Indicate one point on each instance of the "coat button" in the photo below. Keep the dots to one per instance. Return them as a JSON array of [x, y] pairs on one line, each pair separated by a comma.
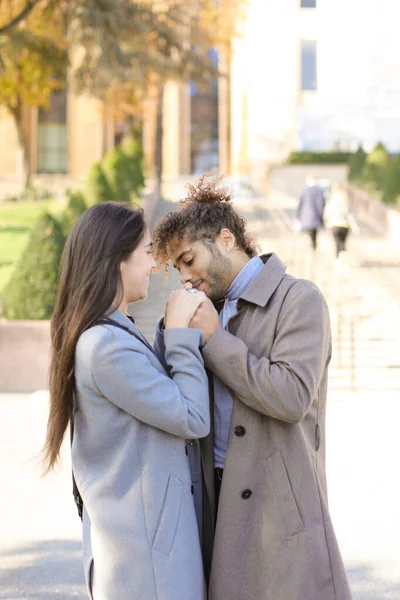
[[240, 431], [192, 489], [246, 494]]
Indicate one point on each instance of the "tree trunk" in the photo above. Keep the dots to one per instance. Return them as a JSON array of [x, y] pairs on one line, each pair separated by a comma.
[[17, 113], [158, 164]]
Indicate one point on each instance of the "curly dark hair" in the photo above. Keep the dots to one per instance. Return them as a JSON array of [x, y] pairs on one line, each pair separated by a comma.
[[206, 210]]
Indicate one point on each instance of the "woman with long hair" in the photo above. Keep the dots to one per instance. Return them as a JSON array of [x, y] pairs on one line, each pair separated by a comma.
[[339, 219], [131, 411]]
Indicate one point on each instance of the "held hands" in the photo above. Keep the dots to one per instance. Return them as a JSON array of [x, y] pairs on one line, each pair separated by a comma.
[[181, 307], [206, 319]]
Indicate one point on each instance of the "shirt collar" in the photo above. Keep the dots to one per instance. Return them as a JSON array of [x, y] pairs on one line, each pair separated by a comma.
[[244, 278]]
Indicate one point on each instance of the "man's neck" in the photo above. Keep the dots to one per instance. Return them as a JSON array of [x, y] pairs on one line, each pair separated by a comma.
[[238, 262]]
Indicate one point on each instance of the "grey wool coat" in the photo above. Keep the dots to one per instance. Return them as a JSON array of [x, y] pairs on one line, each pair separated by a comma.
[[140, 534], [274, 538]]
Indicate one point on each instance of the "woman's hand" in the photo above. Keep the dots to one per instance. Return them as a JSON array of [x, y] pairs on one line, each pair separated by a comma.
[[181, 307]]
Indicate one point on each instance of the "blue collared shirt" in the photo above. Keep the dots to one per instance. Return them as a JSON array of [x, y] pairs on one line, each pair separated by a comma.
[[222, 396]]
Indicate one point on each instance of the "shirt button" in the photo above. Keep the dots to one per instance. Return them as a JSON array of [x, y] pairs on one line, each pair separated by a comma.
[[246, 494], [240, 431]]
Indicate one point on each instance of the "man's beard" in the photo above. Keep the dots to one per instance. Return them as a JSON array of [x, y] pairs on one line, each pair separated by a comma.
[[218, 273]]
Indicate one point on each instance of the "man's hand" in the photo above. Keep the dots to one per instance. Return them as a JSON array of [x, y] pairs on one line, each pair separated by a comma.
[[206, 319], [181, 307]]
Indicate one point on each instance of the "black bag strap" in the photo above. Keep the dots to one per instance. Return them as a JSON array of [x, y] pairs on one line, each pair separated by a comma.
[[141, 338], [77, 497], [75, 492]]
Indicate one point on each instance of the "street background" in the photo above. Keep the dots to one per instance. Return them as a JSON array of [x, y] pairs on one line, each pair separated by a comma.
[[40, 551]]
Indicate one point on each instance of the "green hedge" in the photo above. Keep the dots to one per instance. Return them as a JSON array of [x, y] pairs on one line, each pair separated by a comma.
[[119, 177], [391, 187], [97, 188], [315, 158], [376, 167], [356, 164], [123, 168], [32, 289], [75, 208]]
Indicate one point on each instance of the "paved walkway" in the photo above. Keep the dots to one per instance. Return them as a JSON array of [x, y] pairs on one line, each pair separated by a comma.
[[40, 530], [363, 444]]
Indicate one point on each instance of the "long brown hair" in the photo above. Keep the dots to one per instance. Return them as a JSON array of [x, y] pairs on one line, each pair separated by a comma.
[[90, 281]]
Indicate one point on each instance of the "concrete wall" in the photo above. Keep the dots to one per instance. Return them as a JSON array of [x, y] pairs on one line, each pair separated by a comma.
[[291, 178], [24, 355], [382, 219]]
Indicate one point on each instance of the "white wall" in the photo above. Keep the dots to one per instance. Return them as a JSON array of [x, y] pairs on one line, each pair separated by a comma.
[[358, 92], [358, 82]]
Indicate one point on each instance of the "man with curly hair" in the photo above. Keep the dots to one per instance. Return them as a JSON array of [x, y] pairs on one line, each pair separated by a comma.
[[266, 529]]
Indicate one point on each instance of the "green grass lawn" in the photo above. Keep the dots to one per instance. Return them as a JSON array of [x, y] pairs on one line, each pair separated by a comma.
[[16, 221]]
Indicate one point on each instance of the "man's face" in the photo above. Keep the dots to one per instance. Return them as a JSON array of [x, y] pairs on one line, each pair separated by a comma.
[[204, 265]]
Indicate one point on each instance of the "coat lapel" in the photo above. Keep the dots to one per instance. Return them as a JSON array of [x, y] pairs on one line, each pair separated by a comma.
[[265, 284]]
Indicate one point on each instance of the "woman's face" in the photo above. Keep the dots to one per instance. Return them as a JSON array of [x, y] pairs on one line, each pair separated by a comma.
[[135, 271]]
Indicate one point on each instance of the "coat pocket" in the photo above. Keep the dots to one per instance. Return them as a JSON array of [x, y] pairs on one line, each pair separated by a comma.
[[287, 516], [169, 516], [88, 562], [88, 568]]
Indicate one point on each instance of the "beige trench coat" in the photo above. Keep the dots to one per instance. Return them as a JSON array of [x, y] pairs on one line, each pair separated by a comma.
[[274, 538]]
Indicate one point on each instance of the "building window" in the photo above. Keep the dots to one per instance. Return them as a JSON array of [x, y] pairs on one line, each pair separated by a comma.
[[308, 3], [308, 65], [52, 136], [204, 140]]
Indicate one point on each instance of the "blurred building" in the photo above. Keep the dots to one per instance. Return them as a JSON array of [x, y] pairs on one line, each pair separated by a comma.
[[314, 75], [303, 75]]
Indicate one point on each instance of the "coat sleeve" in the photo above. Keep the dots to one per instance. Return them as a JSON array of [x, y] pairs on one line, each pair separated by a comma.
[[126, 376], [284, 384]]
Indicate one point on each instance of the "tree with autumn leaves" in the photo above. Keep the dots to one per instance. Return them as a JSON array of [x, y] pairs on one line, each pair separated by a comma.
[[119, 51], [33, 61]]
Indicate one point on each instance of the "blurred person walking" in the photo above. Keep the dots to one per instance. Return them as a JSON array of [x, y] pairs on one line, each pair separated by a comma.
[[130, 409], [310, 210], [339, 219]]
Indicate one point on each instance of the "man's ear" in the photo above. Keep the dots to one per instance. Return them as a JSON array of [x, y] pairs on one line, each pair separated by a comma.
[[227, 239]]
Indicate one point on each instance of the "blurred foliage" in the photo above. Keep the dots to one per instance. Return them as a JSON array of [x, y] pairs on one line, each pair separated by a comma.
[[32, 289], [33, 61], [75, 208], [316, 158], [16, 222], [356, 164], [97, 188], [391, 187], [123, 168], [376, 167], [119, 51]]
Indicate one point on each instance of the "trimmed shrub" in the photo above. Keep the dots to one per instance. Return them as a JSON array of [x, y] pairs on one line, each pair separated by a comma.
[[391, 187], [75, 208], [356, 164], [97, 188], [376, 167], [123, 169], [315, 158], [133, 149], [32, 289]]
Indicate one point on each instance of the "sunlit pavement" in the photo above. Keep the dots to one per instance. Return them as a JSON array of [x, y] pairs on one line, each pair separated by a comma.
[[40, 555], [363, 441]]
